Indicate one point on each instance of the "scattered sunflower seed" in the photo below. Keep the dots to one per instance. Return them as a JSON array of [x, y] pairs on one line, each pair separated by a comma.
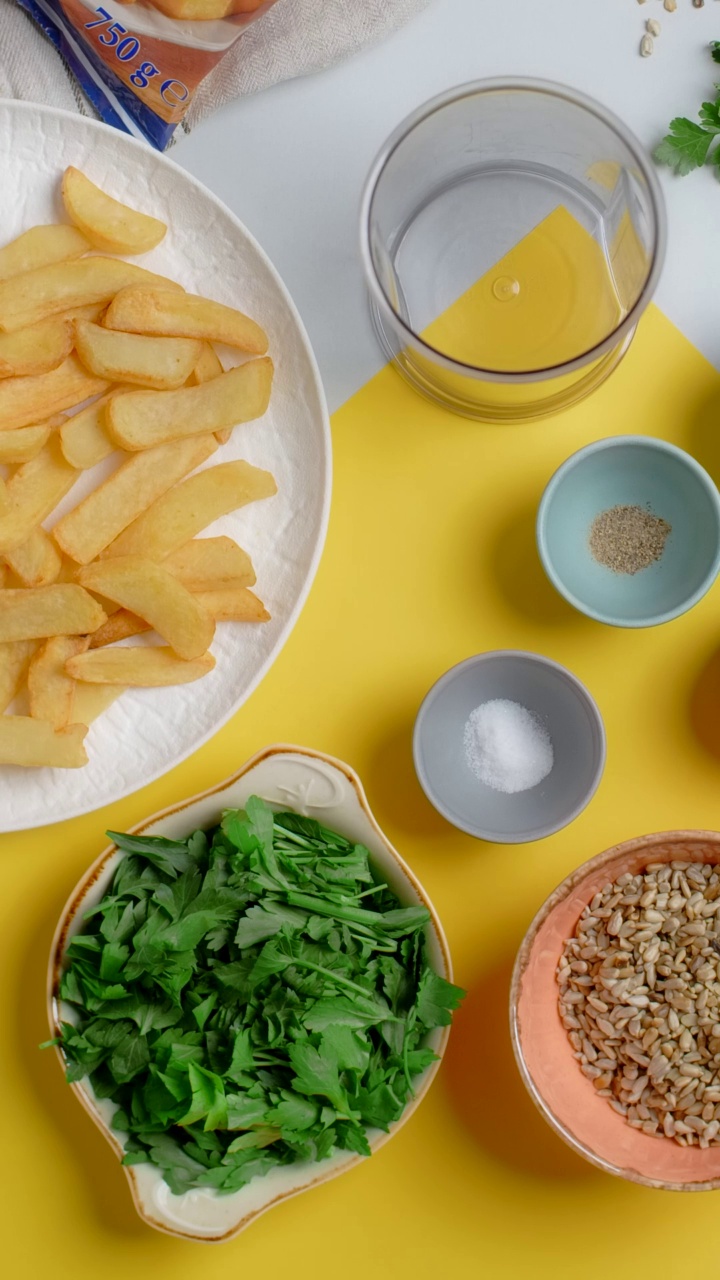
[[646, 46], [653, 27]]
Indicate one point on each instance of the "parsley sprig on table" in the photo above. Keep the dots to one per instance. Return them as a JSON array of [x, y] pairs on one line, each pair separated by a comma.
[[249, 997], [689, 145]]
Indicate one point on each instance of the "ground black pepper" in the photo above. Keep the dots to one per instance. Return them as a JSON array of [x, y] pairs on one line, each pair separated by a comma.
[[628, 539]]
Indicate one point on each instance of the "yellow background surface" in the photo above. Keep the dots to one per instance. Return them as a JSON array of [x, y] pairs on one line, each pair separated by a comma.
[[430, 558]]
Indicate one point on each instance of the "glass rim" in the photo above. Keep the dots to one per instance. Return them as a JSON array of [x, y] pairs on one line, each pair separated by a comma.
[[530, 85]]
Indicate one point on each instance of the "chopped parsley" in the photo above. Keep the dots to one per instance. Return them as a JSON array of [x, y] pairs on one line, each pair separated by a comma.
[[252, 996]]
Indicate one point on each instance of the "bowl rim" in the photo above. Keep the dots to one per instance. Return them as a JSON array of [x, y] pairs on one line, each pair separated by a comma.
[[652, 444], [539, 833], [571, 882], [74, 904]]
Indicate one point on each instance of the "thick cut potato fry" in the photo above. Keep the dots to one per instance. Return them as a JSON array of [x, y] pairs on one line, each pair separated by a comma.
[[37, 561], [92, 699], [233, 604], [207, 367], [227, 604], [93, 311], [184, 511], [64, 609], [83, 438], [24, 443], [207, 564], [147, 310], [51, 689], [60, 609], [107, 223], [49, 291], [84, 532], [156, 596], [144, 418], [136, 666], [38, 349], [32, 493], [14, 659], [39, 247], [26, 401], [35, 744], [120, 626], [161, 363]]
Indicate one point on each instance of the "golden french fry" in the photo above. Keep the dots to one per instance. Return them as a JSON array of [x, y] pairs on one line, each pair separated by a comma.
[[26, 401], [92, 699], [148, 590], [207, 564], [63, 609], [227, 604], [184, 511], [93, 311], [32, 493], [107, 223], [39, 247], [233, 604], [36, 562], [134, 666], [120, 626], [24, 443], [34, 743], [14, 659], [84, 532], [4, 574], [151, 310], [130, 357], [51, 689], [83, 438], [38, 349], [207, 367], [144, 418], [63, 286]]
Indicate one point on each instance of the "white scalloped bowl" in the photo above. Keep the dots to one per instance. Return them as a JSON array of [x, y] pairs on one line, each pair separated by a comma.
[[312, 784]]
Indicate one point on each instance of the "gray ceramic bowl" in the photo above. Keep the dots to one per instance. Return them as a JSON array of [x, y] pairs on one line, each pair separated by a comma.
[[560, 702]]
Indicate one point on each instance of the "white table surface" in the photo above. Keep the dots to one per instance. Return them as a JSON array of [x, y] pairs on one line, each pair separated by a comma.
[[291, 161]]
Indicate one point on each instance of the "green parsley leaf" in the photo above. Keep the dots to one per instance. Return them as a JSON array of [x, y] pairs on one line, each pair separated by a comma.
[[250, 997], [685, 147]]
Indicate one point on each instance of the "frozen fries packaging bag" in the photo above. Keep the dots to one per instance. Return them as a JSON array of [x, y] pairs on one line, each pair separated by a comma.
[[140, 61]]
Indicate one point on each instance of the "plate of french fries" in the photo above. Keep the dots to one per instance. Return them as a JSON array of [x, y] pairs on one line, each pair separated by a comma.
[[164, 465]]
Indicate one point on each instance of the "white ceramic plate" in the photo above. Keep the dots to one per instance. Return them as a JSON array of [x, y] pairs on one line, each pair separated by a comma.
[[148, 731], [317, 786]]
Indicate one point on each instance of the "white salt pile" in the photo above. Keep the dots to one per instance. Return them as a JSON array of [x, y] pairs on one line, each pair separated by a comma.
[[507, 747]]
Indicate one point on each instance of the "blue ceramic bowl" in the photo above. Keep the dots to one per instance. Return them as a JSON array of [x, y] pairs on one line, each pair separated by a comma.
[[631, 471]]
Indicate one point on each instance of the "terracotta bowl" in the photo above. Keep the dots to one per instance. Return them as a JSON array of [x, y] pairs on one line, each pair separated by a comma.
[[544, 1054], [314, 785]]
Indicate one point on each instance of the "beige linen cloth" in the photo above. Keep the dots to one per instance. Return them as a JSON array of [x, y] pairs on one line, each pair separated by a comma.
[[294, 38]]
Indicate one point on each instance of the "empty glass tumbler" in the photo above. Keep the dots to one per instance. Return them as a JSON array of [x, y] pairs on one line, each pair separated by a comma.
[[513, 232]]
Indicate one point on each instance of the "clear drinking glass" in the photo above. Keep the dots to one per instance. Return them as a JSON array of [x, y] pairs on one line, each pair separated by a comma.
[[513, 232]]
